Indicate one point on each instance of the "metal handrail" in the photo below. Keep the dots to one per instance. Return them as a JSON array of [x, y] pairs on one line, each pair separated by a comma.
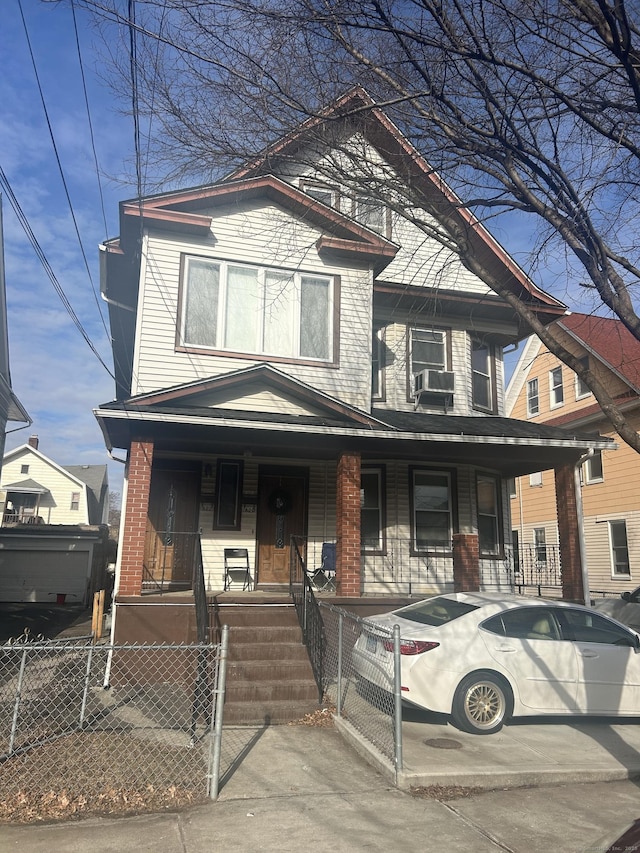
[[308, 612]]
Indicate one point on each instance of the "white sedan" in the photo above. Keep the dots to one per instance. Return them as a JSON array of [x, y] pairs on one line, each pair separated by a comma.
[[484, 657]]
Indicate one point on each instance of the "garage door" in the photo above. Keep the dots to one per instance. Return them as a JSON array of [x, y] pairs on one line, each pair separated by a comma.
[[42, 576]]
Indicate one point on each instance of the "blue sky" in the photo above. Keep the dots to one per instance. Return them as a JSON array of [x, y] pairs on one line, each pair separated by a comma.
[[54, 373]]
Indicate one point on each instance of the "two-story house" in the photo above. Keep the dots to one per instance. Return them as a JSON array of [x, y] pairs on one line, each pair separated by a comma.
[[295, 359], [543, 390], [53, 538]]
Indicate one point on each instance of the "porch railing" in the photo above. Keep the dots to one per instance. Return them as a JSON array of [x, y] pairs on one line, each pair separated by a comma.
[[399, 569], [307, 610]]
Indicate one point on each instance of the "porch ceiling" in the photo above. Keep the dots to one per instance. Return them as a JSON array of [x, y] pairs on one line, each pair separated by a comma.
[[510, 447]]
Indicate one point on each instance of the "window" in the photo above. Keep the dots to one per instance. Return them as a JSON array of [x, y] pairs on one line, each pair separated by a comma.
[[24, 469], [256, 310], [489, 536], [584, 626], [512, 487], [515, 547], [432, 509], [371, 213], [525, 623], [593, 472], [483, 376], [619, 548], [582, 389], [228, 494], [321, 192], [556, 391], [540, 544], [75, 500], [427, 350], [535, 479], [371, 509], [533, 398], [377, 365]]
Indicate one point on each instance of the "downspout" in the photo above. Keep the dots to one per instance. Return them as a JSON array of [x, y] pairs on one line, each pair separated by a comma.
[[579, 513]]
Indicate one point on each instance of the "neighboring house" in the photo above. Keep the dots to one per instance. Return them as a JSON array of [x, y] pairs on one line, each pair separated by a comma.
[[39, 491], [54, 539], [543, 390], [295, 360], [10, 407]]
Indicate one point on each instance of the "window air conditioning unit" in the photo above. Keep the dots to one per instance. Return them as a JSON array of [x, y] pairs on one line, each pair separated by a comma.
[[434, 382]]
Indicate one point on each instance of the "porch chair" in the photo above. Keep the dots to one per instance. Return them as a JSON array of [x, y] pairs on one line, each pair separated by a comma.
[[236, 568], [323, 578]]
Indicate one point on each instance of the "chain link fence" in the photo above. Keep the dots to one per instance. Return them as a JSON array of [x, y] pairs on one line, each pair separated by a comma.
[[363, 685], [92, 727]]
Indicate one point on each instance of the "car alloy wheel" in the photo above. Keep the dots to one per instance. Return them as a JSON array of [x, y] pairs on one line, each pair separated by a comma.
[[481, 704]]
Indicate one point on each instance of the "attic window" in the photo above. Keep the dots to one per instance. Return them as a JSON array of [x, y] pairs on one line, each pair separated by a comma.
[[371, 213], [321, 192], [257, 310], [24, 469]]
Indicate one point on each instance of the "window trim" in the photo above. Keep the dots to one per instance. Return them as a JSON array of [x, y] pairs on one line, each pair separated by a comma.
[[75, 501], [333, 314], [235, 497], [587, 468], [581, 394], [491, 376], [378, 342], [361, 199], [381, 472], [531, 412], [612, 548], [497, 483], [451, 474], [555, 387], [540, 545], [535, 480]]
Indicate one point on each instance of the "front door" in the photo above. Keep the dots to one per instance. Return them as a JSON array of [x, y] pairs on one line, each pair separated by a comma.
[[282, 513], [171, 527]]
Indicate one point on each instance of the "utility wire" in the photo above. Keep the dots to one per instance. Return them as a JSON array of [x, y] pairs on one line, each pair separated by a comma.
[[60, 169], [6, 186]]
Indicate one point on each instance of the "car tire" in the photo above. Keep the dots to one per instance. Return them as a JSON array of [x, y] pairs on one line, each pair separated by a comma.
[[483, 702]]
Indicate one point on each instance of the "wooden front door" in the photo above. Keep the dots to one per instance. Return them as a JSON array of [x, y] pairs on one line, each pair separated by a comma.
[[282, 513], [172, 523]]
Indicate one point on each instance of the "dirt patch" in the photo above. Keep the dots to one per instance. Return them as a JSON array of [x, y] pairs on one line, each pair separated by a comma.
[[321, 718], [41, 785]]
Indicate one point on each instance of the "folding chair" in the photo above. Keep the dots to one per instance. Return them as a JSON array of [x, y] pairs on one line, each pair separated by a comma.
[[236, 568], [323, 578]]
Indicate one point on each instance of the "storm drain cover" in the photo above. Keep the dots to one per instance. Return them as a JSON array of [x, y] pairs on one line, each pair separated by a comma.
[[443, 743]]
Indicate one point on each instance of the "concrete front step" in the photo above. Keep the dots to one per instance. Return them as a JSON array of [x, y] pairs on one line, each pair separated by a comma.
[[267, 670], [261, 634], [267, 713], [264, 691]]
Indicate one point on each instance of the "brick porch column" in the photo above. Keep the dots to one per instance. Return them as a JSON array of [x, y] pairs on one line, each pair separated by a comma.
[[466, 562], [569, 533], [135, 517], [348, 572]]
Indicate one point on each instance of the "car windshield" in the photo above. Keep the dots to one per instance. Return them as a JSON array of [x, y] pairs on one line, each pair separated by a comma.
[[436, 611]]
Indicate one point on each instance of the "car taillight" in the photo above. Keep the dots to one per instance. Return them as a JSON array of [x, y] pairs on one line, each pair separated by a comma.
[[411, 647]]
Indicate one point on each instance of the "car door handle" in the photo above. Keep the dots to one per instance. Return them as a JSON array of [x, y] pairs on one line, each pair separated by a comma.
[[505, 649], [588, 654]]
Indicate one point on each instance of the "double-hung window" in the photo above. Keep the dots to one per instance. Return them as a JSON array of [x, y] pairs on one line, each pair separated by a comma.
[[593, 470], [533, 398], [371, 213], [489, 526], [619, 548], [432, 510], [582, 389], [556, 390], [427, 351], [372, 509], [377, 365], [257, 310], [483, 376]]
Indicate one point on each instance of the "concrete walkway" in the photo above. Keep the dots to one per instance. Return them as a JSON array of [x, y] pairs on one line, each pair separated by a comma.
[[293, 788]]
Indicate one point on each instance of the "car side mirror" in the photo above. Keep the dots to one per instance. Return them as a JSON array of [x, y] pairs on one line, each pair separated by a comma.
[[625, 596]]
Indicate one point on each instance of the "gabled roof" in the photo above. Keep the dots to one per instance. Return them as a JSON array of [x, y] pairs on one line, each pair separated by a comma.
[[29, 449], [609, 341], [358, 106], [28, 487]]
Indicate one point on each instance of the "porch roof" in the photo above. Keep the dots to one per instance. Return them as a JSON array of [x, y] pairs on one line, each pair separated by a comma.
[[508, 446], [27, 487]]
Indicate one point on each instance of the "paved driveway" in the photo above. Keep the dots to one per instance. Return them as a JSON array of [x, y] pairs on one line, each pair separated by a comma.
[[48, 620]]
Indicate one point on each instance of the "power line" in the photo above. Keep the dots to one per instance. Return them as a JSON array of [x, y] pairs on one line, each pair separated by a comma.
[[24, 222]]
